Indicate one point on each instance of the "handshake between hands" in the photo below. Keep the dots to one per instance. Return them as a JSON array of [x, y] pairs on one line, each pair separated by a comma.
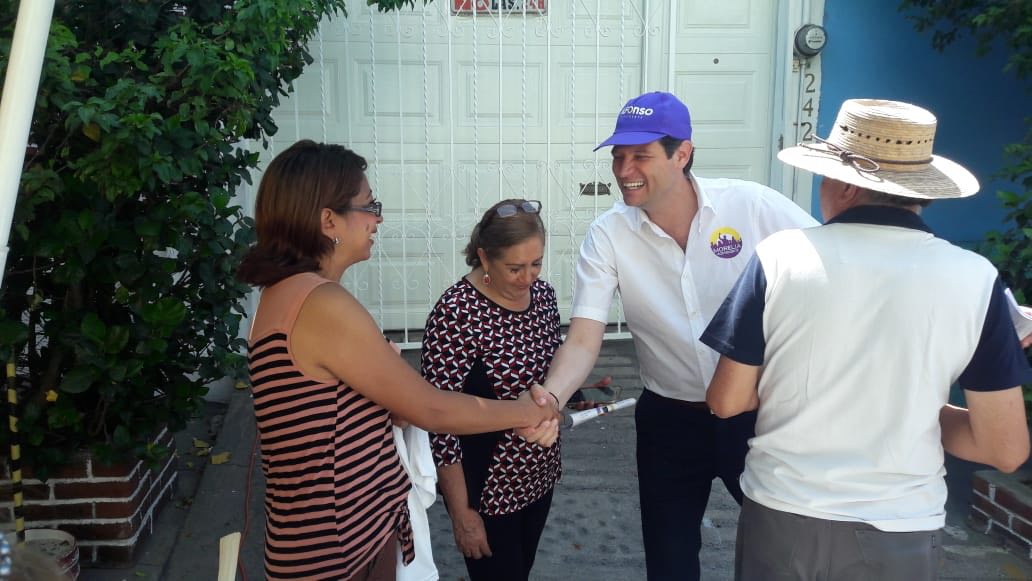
[[547, 432]]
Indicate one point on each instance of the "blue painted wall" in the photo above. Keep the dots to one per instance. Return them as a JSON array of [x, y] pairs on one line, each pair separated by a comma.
[[874, 52]]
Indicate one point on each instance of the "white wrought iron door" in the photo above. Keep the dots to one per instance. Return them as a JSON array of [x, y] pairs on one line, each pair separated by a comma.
[[455, 111]]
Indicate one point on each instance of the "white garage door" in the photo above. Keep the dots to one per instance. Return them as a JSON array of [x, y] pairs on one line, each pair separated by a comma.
[[456, 111]]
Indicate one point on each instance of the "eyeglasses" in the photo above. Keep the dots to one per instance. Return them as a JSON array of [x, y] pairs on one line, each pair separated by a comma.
[[509, 210], [375, 208]]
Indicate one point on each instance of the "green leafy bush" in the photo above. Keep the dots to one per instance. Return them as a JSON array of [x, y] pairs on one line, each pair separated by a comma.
[[1011, 249], [119, 302]]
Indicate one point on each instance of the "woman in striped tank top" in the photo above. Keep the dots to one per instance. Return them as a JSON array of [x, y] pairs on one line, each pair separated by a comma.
[[326, 384]]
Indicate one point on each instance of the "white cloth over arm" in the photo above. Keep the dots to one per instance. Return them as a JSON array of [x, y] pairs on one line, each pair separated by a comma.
[[414, 449]]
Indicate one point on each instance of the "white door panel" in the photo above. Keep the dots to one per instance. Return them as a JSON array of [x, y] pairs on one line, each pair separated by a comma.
[[728, 101], [745, 163], [728, 26]]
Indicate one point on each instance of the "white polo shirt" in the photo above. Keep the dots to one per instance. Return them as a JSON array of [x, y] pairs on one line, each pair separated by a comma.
[[670, 295], [861, 326]]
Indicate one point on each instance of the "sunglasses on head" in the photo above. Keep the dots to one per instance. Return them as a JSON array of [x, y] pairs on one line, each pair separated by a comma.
[[510, 210]]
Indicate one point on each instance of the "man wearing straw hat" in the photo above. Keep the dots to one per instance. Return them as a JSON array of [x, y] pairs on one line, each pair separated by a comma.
[[672, 248], [847, 338]]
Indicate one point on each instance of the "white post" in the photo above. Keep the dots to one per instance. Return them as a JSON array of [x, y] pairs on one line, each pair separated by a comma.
[[19, 99]]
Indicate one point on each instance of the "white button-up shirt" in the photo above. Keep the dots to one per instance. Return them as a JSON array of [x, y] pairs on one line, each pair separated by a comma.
[[669, 295]]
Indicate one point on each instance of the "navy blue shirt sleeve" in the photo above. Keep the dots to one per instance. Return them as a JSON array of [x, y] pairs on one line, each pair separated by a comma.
[[998, 362], [737, 329]]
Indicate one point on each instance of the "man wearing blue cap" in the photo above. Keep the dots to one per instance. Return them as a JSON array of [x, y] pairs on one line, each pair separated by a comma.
[[673, 248]]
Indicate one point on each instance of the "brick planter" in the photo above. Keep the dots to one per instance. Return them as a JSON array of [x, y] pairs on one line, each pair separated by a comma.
[[109, 509], [1001, 506]]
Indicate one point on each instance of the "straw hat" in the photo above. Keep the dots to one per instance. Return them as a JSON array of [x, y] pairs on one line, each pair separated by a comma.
[[884, 146]]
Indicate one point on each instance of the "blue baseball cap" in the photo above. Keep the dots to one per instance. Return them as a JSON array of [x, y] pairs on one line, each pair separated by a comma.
[[649, 117]]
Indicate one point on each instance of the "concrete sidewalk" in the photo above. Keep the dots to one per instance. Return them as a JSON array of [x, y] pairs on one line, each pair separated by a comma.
[[593, 530]]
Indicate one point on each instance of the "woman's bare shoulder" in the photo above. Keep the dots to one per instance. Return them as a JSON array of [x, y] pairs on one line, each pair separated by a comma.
[[332, 304]]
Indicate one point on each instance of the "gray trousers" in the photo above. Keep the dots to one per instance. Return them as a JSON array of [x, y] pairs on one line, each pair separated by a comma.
[[775, 546]]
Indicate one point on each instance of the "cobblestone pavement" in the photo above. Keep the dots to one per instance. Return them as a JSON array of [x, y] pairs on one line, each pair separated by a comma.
[[593, 531]]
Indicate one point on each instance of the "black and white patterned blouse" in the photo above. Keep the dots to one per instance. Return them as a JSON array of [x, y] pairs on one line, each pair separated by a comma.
[[475, 346]]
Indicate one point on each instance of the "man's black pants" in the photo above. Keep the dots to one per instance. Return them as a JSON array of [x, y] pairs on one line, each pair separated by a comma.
[[682, 447]]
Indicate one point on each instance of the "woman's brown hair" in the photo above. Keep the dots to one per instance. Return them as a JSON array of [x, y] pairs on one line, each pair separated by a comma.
[[495, 233], [296, 186]]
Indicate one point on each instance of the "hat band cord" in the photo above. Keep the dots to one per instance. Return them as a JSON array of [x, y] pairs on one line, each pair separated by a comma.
[[861, 163]]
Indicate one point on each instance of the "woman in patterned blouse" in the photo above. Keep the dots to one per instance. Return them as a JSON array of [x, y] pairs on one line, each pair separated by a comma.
[[493, 334], [325, 381]]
